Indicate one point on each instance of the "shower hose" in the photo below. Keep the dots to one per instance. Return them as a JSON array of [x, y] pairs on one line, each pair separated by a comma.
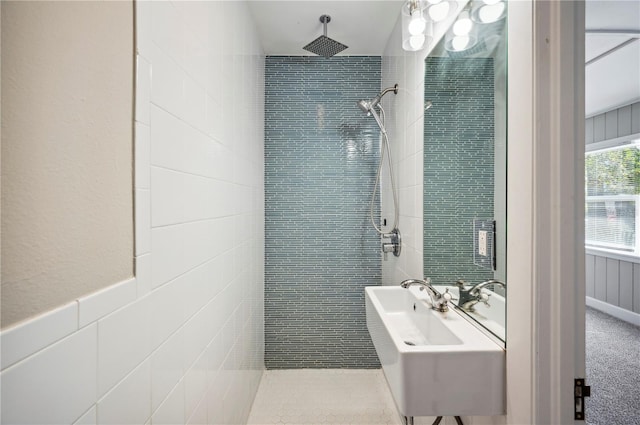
[[385, 152]]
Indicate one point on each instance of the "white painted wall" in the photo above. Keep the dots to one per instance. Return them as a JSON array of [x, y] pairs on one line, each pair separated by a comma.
[[183, 341]]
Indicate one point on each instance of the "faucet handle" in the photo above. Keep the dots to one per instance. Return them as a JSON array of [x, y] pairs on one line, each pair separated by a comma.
[[447, 295], [484, 298], [427, 280]]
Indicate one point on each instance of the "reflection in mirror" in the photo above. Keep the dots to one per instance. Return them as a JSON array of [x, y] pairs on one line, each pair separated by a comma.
[[465, 164]]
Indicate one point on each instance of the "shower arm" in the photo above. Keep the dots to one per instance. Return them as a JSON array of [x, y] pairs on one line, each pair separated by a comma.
[[394, 89], [376, 100]]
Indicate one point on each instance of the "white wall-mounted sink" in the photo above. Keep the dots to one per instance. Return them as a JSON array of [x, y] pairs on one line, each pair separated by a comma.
[[436, 364]]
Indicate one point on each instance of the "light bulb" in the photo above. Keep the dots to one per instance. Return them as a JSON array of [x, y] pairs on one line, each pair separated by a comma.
[[439, 11], [417, 24], [463, 26], [460, 42], [417, 41], [491, 12]]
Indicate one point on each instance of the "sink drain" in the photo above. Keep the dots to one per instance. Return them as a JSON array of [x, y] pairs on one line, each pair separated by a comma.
[[410, 343]]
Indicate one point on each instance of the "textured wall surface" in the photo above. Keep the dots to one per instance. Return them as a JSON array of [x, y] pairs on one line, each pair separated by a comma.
[[458, 166], [67, 119], [321, 154]]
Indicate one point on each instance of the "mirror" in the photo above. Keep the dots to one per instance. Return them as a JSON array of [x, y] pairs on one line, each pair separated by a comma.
[[464, 172]]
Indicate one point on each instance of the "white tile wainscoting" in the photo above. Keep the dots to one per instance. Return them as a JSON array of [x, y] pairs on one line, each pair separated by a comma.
[[95, 361]]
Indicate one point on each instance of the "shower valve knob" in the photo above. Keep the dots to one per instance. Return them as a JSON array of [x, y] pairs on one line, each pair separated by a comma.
[[394, 245]]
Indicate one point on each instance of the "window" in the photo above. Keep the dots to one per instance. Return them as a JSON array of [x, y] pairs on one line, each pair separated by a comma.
[[612, 210]]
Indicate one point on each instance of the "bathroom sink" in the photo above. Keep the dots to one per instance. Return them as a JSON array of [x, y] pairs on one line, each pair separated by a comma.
[[436, 364]]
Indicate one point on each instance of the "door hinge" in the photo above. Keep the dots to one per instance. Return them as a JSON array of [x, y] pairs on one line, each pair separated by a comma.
[[580, 391]]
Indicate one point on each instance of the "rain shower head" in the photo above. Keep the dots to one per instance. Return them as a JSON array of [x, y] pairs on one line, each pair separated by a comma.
[[323, 45], [368, 105]]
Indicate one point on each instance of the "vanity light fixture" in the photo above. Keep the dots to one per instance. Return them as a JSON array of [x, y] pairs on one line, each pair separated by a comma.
[[439, 10], [463, 24], [462, 35], [416, 28], [460, 43], [488, 11]]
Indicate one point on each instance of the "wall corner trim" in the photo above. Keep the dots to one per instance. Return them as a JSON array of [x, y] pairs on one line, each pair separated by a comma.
[[28, 337]]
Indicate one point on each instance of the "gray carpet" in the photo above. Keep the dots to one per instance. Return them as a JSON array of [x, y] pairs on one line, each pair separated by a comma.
[[613, 370]]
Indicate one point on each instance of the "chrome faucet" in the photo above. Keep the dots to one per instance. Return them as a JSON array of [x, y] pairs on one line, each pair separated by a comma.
[[438, 300], [473, 295]]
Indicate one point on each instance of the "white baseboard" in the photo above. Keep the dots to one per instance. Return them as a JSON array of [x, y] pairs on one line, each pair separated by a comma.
[[615, 311]]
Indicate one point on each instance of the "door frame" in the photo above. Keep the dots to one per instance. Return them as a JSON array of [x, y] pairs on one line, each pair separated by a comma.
[[545, 210]]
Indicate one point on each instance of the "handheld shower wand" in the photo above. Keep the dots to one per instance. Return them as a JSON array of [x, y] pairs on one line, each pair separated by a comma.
[[369, 107]]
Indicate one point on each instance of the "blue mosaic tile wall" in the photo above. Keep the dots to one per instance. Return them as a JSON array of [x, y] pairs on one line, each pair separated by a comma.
[[458, 165], [321, 154]]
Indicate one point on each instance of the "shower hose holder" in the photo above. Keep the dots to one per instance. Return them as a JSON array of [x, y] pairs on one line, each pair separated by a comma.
[[394, 243]]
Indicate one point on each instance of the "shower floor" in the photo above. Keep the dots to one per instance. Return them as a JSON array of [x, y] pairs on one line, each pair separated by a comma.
[[324, 397]]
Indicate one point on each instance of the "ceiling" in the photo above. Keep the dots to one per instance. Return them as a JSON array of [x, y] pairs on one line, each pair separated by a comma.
[[612, 45], [612, 54], [363, 25]]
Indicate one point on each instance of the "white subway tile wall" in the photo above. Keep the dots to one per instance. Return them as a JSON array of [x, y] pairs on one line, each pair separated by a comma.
[[171, 411], [89, 418], [60, 380], [129, 402], [123, 342], [404, 125], [183, 342], [21, 341], [99, 304]]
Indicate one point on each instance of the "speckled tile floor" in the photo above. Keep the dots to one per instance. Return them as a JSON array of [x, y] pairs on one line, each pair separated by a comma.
[[323, 397]]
